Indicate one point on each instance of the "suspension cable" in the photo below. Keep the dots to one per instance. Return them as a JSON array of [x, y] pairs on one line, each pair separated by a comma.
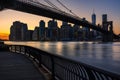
[[66, 8], [52, 5], [55, 7], [48, 2]]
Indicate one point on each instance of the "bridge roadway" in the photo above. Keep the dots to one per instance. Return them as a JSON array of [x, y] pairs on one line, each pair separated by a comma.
[[17, 67]]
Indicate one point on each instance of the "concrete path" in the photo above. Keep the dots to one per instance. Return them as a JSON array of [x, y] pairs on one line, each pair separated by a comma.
[[15, 66]]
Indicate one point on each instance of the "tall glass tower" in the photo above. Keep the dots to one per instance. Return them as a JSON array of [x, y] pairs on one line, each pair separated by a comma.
[[94, 23], [94, 18], [42, 30]]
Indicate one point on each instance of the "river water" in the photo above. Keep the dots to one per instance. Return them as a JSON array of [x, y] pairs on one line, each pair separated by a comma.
[[101, 55]]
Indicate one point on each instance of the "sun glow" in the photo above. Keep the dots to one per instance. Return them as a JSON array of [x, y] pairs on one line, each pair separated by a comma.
[[4, 36]]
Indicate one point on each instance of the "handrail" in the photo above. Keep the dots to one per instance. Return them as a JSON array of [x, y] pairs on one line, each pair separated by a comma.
[[3, 47], [62, 68]]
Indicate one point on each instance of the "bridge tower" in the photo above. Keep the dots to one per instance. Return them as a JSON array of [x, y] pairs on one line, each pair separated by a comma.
[[108, 26]]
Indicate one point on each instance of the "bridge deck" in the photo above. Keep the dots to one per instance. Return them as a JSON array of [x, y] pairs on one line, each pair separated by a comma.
[[17, 67]]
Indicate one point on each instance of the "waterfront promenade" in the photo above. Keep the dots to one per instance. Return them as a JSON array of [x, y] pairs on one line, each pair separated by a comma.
[[58, 67], [15, 66]]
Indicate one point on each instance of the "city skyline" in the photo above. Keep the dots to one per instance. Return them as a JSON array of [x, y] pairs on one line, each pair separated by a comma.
[[19, 32], [83, 8]]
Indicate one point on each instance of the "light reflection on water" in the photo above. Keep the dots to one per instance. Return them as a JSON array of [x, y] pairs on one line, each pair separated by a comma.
[[78, 49], [103, 55]]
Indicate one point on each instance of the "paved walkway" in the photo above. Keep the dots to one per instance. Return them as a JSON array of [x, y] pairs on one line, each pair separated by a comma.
[[17, 67]]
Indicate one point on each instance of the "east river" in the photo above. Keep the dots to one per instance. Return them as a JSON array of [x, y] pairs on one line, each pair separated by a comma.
[[101, 55]]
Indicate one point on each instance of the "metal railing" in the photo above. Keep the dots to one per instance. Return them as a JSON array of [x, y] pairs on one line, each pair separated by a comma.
[[62, 68], [3, 47]]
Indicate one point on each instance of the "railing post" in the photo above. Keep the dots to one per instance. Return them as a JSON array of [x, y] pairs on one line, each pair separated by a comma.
[[90, 74], [39, 57], [28, 51], [53, 68], [29, 54], [34, 57], [11, 48], [15, 48], [20, 49], [25, 50]]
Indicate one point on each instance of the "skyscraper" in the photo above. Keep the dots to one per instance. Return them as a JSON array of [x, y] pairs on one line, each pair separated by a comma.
[[94, 18], [104, 18], [76, 29], [12, 33], [18, 31], [94, 23], [24, 30], [104, 22], [35, 35], [52, 30], [42, 30], [86, 31], [66, 32], [29, 34]]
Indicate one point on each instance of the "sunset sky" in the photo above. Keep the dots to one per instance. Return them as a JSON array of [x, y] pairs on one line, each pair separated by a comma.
[[83, 8]]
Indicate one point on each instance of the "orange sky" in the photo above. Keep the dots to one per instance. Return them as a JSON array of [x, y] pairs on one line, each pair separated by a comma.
[[31, 20], [80, 7], [4, 36]]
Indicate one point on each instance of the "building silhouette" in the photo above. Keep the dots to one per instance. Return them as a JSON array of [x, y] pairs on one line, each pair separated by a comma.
[[94, 18], [104, 18], [108, 26], [52, 33], [94, 23], [42, 33], [18, 31], [29, 34], [77, 33], [24, 32], [86, 32], [35, 35], [66, 32]]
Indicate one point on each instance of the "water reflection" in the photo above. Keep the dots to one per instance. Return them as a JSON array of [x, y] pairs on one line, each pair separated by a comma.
[[78, 49]]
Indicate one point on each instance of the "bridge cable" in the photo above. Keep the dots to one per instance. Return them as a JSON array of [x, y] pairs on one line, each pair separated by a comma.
[[55, 7], [67, 8], [48, 2], [52, 5]]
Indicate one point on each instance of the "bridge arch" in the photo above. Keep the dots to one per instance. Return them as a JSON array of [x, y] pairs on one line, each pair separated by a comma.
[[108, 37]]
